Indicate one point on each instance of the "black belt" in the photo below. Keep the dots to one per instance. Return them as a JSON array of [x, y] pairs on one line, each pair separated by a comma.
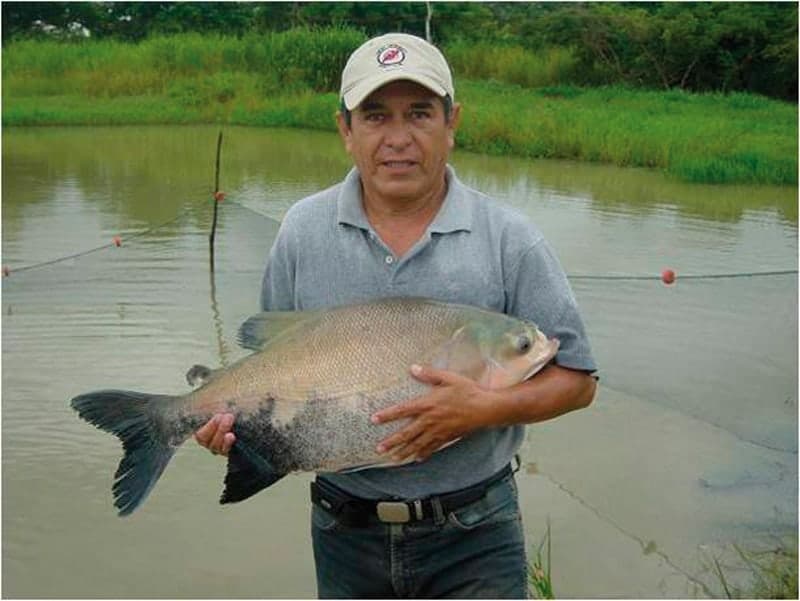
[[355, 511]]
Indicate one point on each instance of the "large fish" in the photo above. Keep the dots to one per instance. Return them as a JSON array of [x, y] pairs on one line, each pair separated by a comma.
[[303, 402]]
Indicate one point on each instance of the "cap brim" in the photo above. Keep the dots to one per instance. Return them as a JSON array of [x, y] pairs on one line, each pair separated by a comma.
[[352, 98]]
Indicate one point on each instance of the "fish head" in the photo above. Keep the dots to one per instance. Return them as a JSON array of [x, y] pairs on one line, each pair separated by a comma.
[[498, 352]]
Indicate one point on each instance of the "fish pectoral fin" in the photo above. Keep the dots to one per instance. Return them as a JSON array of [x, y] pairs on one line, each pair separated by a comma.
[[261, 328], [248, 473]]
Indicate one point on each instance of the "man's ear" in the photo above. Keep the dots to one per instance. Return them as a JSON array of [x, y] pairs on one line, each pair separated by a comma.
[[452, 125], [344, 130]]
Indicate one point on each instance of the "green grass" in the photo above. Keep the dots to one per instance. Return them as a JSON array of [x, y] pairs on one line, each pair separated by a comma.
[[757, 574], [766, 573], [540, 582], [512, 64], [514, 102], [710, 138]]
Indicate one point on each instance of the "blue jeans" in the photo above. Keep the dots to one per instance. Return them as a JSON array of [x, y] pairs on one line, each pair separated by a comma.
[[475, 552]]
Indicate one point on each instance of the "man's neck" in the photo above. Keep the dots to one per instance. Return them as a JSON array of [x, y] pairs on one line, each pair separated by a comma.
[[401, 222]]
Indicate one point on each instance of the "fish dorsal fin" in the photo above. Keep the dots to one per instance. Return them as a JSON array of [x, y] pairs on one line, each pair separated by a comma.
[[258, 330]]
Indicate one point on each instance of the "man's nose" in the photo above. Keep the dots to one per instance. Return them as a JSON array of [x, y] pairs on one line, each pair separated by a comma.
[[398, 134]]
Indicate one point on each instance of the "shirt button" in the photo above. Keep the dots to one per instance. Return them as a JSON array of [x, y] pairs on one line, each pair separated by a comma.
[[389, 259]]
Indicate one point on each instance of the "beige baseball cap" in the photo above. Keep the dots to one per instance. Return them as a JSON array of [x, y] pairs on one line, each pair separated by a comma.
[[391, 57]]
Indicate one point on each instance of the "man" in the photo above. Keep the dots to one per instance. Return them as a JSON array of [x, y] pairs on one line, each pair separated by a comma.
[[402, 224]]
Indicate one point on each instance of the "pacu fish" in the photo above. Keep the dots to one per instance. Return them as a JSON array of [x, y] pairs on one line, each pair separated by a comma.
[[303, 402]]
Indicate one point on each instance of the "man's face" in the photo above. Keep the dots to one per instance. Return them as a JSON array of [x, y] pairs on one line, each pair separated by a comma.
[[400, 140]]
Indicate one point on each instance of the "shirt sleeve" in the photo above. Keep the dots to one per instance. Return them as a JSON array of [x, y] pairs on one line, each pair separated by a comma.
[[537, 289], [277, 286]]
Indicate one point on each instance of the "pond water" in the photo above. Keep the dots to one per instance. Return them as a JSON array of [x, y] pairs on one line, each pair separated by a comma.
[[690, 446]]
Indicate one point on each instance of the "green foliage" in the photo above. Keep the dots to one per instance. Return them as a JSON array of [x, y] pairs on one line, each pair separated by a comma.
[[702, 138], [756, 573], [290, 78], [291, 60], [128, 20], [698, 46], [540, 582], [311, 56], [512, 63]]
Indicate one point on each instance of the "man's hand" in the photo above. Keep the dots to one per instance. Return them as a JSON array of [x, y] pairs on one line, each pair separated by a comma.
[[454, 407], [457, 406], [216, 435]]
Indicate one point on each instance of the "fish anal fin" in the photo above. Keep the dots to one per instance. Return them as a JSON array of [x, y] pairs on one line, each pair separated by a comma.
[[248, 473]]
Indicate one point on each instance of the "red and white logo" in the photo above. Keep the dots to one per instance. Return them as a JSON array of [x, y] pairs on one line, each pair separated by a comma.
[[391, 55]]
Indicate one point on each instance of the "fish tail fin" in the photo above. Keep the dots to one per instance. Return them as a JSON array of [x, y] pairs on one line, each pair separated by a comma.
[[137, 420]]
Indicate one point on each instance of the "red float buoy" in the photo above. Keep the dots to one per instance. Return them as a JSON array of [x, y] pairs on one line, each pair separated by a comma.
[[117, 241], [668, 276], [219, 196]]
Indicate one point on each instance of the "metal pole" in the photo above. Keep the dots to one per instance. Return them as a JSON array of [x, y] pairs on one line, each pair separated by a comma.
[[428, 23]]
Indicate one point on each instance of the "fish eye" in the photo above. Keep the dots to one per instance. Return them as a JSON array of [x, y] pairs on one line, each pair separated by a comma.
[[523, 343]]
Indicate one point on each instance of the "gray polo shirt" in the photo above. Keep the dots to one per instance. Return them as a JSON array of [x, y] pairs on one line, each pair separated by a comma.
[[476, 252]]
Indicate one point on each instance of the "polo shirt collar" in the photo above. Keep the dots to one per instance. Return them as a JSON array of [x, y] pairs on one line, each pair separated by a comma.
[[454, 214], [350, 209]]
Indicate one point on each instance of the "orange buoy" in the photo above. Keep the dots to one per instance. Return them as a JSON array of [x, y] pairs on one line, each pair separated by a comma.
[[117, 241], [668, 276], [219, 196]]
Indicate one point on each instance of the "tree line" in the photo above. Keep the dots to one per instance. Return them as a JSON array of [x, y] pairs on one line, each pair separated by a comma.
[[695, 46]]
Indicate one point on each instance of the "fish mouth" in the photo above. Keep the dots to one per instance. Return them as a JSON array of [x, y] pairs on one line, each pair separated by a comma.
[[549, 351], [535, 367]]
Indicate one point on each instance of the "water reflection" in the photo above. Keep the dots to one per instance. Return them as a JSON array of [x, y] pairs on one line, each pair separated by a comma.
[[145, 174], [156, 160], [625, 190]]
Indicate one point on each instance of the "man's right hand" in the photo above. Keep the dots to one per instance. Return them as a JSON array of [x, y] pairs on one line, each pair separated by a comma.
[[216, 435]]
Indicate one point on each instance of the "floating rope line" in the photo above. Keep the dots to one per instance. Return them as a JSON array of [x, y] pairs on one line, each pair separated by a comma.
[[116, 241], [663, 276], [667, 276]]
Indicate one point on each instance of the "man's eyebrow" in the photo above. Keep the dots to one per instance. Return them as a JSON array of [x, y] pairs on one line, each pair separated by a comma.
[[377, 106], [371, 106]]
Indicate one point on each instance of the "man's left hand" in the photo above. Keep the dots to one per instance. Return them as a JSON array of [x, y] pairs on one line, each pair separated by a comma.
[[454, 407]]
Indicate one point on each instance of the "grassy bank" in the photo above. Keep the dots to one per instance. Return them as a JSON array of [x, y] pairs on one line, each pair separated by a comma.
[[289, 79]]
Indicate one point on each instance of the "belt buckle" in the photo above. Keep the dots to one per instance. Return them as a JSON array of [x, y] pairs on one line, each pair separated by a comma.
[[393, 512]]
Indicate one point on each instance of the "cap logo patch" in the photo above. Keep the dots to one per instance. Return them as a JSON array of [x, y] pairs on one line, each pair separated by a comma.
[[391, 55]]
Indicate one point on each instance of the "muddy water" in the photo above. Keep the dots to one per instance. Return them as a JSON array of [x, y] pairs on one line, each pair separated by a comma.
[[691, 445]]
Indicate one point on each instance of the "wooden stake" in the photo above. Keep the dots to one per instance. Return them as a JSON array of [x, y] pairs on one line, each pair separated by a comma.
[[213, 233]]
